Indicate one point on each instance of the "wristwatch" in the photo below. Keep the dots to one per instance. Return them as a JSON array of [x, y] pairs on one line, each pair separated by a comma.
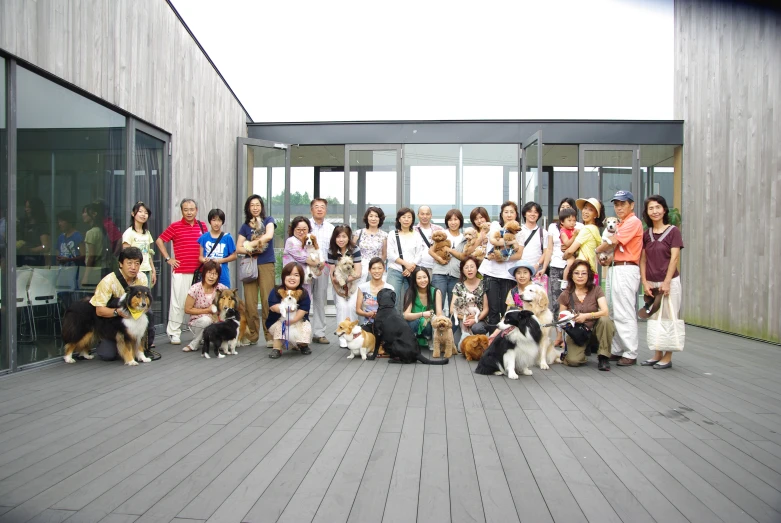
[[166, 260], [116, 313]]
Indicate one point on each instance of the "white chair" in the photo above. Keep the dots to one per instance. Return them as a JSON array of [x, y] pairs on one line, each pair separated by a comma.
[[43, 292], [23, 277]]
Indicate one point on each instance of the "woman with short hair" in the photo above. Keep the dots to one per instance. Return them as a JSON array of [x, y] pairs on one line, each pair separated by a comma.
[[295, 251], [198, 303], [662, 244], [405, 250], [588, 303], [279, 327], [589, 238], [469, 283], [372, 240], [447, 272]]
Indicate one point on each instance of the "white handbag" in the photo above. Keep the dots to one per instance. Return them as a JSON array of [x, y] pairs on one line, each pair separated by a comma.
[[666, 334]]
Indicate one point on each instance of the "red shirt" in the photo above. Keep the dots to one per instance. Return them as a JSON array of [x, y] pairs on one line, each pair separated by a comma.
[[185, 243], [629, 235]]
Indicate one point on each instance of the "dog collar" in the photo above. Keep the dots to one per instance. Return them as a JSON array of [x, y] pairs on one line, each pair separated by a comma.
[[136, 313]]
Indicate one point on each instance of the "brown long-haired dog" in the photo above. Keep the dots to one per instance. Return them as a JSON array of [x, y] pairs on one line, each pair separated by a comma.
[[443, 336], [229, 299], [473, 347]]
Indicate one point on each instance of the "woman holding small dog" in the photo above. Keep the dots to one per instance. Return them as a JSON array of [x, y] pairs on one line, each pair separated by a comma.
[[292, 280], [587, 302], [198, 303], [446, 272], [371, 240], [294, 246], [469, 283], [421, 303], [662, 244], [405, 250], [255, 213], [341, 246]]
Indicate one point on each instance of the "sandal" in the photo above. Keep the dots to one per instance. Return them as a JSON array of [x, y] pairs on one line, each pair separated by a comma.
[[188, 348], [276, 353]]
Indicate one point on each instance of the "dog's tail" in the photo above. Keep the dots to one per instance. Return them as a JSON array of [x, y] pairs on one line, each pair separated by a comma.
[[435, 361], [78, 320], [484, 369]]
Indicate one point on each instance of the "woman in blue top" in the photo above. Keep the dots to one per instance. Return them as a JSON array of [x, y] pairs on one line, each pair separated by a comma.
[[225, 249], [255, 213], [342, 245], [300, 336]]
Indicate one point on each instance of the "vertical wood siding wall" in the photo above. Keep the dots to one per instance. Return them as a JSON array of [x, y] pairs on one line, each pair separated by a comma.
[[137, 55], [728, 91]]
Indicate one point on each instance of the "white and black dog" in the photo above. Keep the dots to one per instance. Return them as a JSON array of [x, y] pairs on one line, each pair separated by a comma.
[[223, 334], [517, 346]]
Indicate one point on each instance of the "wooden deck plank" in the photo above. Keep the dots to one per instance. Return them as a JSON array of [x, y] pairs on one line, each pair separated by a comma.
[[403, 492]]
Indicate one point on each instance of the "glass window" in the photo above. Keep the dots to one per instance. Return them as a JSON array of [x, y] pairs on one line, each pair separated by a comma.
[[658, 161], [373, 184], [313, 164], [490, 177], [431, 170], [71, 203], [611, 169], [563, 161]]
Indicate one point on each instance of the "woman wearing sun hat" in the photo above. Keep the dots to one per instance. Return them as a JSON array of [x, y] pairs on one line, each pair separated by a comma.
[[522, 271], [588, 238]]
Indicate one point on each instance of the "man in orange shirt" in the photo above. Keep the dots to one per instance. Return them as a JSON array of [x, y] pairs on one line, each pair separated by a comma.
[[624, 278]]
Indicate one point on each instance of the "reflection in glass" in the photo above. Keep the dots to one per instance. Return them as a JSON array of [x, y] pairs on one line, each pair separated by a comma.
[[614, 172], [71, 203]]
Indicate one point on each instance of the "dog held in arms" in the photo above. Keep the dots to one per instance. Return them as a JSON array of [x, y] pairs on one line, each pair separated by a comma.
[[611, 226], [516, 347], [312, 249], [345, 267], [287, 309], [223, 334], [535, 299], [82, 327], [395, 334]]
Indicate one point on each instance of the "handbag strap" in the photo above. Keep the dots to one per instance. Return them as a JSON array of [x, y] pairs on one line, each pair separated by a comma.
[[216, 243], [398, 243], [425, 240], [532, 236], [360, 233]]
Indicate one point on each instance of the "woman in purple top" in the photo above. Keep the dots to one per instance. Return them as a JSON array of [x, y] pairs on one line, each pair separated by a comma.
[[662, 244], [294, 246]]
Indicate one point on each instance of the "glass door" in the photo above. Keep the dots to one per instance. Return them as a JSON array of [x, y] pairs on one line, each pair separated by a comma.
[[534, 182], [606, 169], [374, 182]]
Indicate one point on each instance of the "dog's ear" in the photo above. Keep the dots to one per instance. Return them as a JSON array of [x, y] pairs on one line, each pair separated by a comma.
[[282, 293], [296, 294]]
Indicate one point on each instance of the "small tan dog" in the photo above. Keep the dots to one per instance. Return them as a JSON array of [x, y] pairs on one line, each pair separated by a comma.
[[611, 226], [504, 241], [254, 245], [482, 238], [473, 347], [535, 299], [443, 336], [440, 245], [345, 267], [358, 340]]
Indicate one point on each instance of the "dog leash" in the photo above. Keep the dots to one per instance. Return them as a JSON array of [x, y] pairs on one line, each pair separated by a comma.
[[285, 329]]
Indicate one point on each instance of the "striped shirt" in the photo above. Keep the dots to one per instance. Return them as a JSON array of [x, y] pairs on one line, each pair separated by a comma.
[[185, 243]]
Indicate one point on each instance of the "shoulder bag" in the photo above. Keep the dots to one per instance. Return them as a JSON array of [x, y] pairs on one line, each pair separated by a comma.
[[666, 334], [197, 276], [579, 333]]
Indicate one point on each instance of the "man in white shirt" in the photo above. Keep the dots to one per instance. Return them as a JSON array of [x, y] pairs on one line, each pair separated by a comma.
[[425, 229], [323, 232]]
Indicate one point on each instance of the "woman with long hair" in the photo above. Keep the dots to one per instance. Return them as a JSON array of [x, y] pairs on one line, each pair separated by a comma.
[[342, 245], [421, 303], [198, 303], [262, 226]]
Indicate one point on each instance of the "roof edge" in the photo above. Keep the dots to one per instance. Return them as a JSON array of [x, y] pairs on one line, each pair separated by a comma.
[[382, 122]]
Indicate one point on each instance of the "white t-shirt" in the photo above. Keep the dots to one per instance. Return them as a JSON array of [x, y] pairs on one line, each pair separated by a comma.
[[535, 247], [412, 248], [557, 259], [454, 262], [144, 242], [495, 268], [427, 261]]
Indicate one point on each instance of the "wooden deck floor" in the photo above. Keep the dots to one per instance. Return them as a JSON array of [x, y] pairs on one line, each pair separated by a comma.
[[322, 438]]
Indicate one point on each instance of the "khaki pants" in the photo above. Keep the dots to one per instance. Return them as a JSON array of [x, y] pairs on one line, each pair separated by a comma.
[[603, 332], [263, 284]]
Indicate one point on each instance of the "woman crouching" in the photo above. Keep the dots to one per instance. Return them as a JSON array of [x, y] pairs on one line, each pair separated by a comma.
[[588, 303], [297, 329]]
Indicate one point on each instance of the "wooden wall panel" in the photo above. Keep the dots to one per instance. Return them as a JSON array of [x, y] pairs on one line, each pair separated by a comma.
[[728, 92], [137, 55]]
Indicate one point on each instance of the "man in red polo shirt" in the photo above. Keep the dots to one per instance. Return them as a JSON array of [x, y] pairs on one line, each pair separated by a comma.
[[624, 278], [184, 234]]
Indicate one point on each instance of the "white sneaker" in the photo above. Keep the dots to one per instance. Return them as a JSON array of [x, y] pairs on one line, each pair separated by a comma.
[[175, 340], [244, 342]]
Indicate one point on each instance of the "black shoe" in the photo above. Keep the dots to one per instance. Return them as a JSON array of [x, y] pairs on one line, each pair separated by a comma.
[[274, 354], [604, 363], [668, 365], [649, 363], [305, 349]]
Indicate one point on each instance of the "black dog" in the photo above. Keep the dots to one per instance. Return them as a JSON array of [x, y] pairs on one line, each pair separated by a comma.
[[517, 346], [393, 331], [223, 334]]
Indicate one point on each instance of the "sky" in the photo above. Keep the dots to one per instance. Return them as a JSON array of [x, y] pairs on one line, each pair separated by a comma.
[[347, 60]]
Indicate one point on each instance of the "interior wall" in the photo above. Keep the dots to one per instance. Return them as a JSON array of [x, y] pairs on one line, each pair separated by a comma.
[[138, 56], [728, 91]]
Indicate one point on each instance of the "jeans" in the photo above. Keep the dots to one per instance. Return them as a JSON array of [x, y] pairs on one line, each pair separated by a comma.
[[445, 284], [478, 328], [427, 331], [400, 285]]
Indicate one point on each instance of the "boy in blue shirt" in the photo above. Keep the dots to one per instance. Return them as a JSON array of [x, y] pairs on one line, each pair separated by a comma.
[[225, 249]]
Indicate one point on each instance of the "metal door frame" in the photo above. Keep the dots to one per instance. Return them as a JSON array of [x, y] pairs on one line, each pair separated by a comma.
[[535, 138], [399, 175], [582, 148]]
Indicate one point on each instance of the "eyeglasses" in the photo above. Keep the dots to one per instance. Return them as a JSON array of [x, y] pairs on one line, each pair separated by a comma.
[[299, 229]]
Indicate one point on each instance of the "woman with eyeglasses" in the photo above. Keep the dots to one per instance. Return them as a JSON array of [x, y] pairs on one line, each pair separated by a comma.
[[294, 247]]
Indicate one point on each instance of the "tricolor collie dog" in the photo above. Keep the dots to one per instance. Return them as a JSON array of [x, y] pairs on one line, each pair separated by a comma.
[[516, 347], [229, 299], [312, 253], [224, 335], [359, 341], [82, 327]]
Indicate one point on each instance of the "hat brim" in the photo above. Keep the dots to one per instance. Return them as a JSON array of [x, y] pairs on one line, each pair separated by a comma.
[[652, 304], [581, 202], [512, 270]]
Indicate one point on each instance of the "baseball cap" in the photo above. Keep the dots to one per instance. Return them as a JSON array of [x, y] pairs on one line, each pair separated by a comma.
[[623, 196]]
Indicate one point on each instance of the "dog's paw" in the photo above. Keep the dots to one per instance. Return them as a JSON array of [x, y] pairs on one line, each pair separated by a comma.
[[69, 359], [351, 356], [499, 373], [513, 376], [145, 359], [131, 363], [206, 356], [88, 356], [220, 355], [363, 357], [527, 372], [544, 365], [214, 309]]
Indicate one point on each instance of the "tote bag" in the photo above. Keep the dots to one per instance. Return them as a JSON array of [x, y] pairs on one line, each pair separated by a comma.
[[248, 269], [666, 334]]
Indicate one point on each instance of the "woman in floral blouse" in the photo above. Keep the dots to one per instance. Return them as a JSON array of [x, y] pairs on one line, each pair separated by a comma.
[[372, 241], [294, 246], [470, 284]]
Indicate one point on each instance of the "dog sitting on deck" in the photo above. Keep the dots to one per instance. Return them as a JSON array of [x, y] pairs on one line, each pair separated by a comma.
[[224, 335], [358, 340], [517, 346]]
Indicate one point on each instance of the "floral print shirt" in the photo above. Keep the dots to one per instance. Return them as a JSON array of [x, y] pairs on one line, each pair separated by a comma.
[[370, 243], [460, 291], [202, 300]]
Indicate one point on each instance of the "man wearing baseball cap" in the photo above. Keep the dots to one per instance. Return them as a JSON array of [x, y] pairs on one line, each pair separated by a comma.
[[624, 278]]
